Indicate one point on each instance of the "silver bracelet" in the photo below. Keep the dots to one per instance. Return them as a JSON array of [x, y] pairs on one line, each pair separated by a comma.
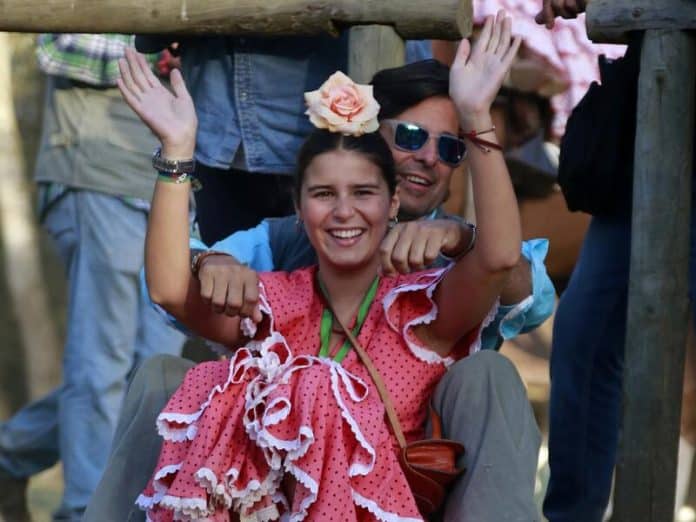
[[161, 164], [468, 248]]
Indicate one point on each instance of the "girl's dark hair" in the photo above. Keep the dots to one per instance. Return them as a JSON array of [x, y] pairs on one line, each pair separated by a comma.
[[371, 145], [401, 88]]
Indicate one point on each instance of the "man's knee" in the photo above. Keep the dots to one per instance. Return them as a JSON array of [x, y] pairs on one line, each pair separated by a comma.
[[477, 387], [478, 373], [159, 374]]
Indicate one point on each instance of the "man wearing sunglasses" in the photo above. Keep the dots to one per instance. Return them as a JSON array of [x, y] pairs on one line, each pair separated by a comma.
[[420, 123], [481, 400]]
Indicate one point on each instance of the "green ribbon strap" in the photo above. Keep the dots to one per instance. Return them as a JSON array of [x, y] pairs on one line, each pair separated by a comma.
[[327, 320]]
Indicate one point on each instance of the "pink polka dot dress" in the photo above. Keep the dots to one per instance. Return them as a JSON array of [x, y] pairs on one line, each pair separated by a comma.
[[240, 433]]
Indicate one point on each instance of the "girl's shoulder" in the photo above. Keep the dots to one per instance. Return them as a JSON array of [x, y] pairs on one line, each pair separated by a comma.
[[280, 283], [288, 296]]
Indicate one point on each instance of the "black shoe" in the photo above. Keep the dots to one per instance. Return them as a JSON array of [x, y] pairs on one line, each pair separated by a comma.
[[13, 499]]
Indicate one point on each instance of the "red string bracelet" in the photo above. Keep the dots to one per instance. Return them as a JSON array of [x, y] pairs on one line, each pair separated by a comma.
[[482, 144]]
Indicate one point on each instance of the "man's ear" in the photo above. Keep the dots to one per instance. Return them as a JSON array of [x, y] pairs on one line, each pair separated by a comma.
[[394, 204]]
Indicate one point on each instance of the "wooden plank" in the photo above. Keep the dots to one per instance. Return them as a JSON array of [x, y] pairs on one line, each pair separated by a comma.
[[443, 19], [658, 300], [610, 20], [372, 48]]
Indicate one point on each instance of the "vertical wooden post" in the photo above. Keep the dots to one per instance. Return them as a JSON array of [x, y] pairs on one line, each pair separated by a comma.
[[658, 301], [372, 48]]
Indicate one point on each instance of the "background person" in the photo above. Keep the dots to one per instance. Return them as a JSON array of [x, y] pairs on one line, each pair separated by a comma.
[[94, 190], [250, 126]]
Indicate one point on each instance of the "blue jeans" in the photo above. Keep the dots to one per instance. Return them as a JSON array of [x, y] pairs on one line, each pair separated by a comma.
[[586, 373], [110, 330]]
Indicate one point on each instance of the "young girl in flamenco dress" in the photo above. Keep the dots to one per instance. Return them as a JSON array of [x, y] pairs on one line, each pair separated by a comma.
[[290, 426]]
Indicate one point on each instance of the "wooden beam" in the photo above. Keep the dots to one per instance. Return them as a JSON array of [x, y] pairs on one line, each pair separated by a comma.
[[372, 48], [609, 20], [658, 288], [414, 19]]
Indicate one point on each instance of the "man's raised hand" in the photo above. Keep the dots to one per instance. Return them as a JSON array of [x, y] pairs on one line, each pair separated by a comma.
[[478, 71]]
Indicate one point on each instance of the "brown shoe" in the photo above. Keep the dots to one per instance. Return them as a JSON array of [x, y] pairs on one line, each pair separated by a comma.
[[13, 499]]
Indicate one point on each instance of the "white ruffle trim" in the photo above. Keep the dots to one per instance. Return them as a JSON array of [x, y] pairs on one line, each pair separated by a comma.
[[166, 470], [243, 361], [167, 432], [373, 508], [356, 468], [207, 479], [263, 515], [244, 499], [429, 283], [186, 509], [294, 449], [492, 313], [145, 502], [307, 482]]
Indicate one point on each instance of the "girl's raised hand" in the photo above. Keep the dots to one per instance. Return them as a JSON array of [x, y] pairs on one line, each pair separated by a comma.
[[477, 73], [170, 115]]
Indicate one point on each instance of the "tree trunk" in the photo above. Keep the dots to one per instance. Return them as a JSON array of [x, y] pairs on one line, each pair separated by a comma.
[[28, 300]]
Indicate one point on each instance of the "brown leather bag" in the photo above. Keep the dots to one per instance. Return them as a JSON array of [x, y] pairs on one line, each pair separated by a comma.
[[429, 465]]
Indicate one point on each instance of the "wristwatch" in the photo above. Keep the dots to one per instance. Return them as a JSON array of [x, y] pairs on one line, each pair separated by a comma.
[[161, 164], [456, 257]]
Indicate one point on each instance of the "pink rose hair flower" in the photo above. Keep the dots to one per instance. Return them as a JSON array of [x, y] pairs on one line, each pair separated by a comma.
[[341, 105]]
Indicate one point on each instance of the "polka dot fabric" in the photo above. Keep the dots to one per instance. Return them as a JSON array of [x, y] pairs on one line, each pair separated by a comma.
[[240, 434]]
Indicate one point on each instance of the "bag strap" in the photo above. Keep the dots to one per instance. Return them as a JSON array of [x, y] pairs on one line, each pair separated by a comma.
[[377, 379]]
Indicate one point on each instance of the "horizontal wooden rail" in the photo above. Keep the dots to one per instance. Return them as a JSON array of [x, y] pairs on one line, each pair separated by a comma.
[[412, 19], [609, 20]]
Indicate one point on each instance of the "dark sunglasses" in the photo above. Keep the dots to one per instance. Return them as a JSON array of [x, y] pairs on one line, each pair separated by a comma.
[[411, 137]]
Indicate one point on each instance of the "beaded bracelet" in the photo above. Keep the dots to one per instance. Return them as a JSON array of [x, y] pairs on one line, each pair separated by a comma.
[[173, 177], [179, 178]]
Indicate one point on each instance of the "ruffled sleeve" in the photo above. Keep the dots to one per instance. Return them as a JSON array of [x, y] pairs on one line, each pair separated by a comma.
[[410, 304]]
